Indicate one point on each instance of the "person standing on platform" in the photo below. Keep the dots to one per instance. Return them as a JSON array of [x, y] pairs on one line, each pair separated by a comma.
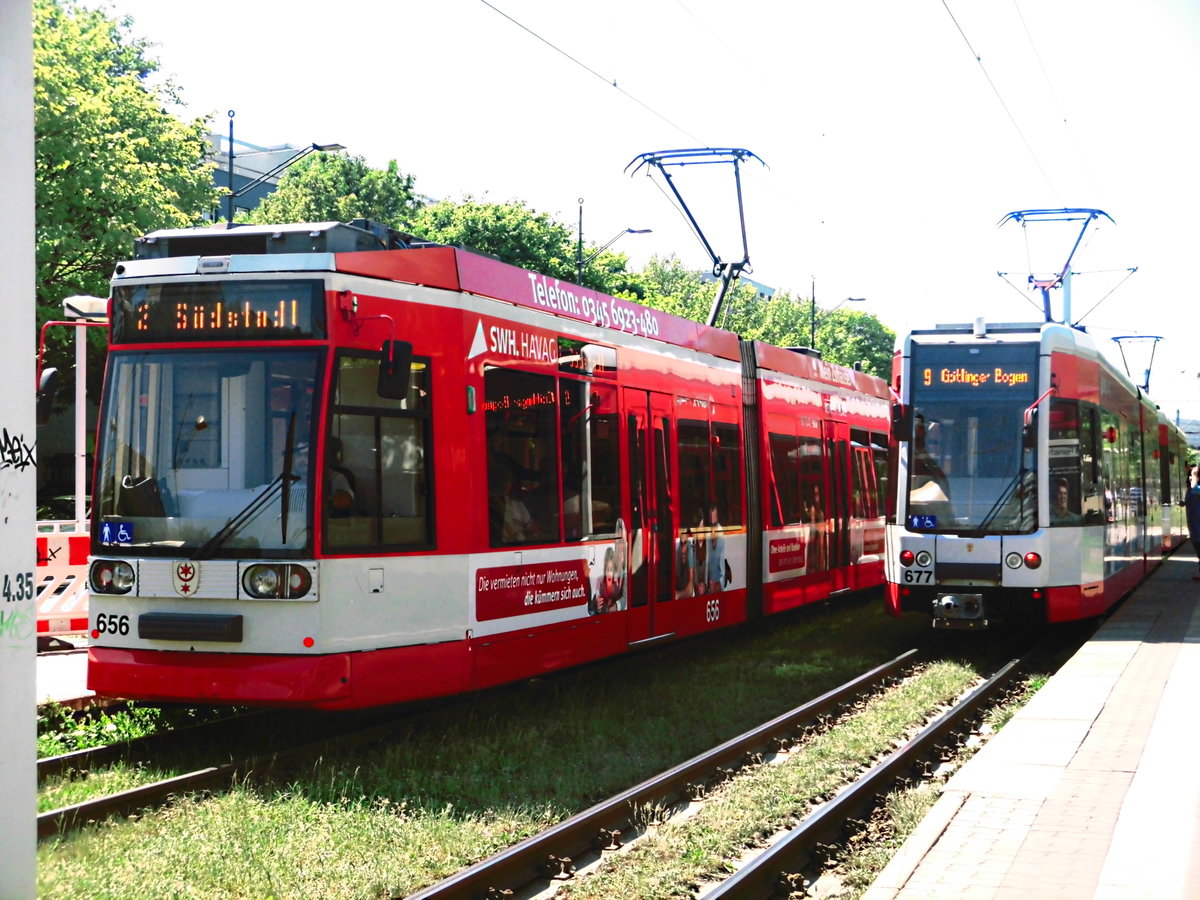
[[1192, 503]]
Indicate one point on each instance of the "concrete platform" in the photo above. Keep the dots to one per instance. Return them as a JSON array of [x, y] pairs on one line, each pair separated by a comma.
[[62, 676], [1093, 789]]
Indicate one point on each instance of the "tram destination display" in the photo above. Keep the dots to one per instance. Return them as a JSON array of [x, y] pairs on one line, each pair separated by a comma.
[[219, 310]]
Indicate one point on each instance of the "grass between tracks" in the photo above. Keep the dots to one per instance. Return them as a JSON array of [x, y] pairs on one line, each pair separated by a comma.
[[679, 857], [62, 731], [478, 775], [903, 810]]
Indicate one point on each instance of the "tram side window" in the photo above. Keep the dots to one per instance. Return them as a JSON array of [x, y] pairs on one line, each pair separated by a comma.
[[812, 479], [591, 495], [862, 476], [1066, 470], [376, 476], [1116, 466], [879, 458], [521, 418], [727, 471], [695, 473], [1093, 499], [710, 469], [786, 505], [1137, 497]]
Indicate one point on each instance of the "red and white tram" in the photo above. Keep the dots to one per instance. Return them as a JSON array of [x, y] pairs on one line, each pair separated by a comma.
[[1034, 481], [337, 470]]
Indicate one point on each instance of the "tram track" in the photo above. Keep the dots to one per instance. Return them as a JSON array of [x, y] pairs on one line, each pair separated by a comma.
[[340, 736], [780, 867], [146, 748], [552, 853], [398, 775], [534, 866], [556, 855]]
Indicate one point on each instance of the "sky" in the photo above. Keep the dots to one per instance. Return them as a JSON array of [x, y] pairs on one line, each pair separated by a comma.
[[890, 139]]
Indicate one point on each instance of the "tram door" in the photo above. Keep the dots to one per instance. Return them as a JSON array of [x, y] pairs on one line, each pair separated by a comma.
[[650, 487], [837, 467]]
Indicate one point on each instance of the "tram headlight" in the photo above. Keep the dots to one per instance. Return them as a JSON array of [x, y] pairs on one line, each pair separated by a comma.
[[276, 581], [262, 581], [924, 559], [1013, 560], [111, 576]]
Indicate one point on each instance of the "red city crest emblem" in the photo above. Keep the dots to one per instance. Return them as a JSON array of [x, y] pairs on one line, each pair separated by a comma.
[[186, 578]]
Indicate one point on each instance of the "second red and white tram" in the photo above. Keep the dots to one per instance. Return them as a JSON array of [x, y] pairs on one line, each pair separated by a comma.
[[1035, 482], [337, 470]]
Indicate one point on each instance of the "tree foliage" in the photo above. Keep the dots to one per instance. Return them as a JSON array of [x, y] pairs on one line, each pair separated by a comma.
[[509, 231], [111, 162], [845, 337], [337, 187]]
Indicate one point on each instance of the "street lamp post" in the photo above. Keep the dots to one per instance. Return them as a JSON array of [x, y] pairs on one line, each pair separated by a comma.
[[580, 262], [265, 176], [812, 319]]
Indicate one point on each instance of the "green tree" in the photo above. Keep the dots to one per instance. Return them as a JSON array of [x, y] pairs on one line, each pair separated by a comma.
[[847, 336], [524, 237], [510, 231], [671, 287], [336, 187], [111, 163]]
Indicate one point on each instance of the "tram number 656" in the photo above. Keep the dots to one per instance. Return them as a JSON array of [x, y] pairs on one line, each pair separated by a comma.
[[712, 610], [112, 624]]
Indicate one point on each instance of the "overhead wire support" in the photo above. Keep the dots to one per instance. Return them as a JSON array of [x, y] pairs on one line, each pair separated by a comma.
[[1086, 215], [1154, 339], [662, 160], [1130, 271]]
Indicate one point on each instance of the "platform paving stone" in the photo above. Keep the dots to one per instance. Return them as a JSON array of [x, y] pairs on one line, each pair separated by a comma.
[[1093, 789]]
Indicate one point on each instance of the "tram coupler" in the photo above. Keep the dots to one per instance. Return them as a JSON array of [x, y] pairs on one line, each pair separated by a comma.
[[959, 611]]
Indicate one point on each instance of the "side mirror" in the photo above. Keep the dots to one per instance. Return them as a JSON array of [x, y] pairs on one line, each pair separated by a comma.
[[1029, 428], [47, 388], [901, 421], [395, 370]]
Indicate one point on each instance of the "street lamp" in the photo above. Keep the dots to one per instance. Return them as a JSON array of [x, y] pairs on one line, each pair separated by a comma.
[[580, 262], [812, 343], [265, 176]]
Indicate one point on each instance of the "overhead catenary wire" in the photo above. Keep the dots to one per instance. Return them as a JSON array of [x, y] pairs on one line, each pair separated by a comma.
[[609, 81], [680, 128], [1054, 95], [1128, 274], [1000, 97]]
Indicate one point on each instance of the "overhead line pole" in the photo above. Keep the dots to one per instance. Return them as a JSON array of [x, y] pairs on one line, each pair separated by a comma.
[[18, 464]]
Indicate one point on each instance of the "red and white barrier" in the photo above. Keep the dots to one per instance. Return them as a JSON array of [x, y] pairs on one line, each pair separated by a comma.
[[62, 592]]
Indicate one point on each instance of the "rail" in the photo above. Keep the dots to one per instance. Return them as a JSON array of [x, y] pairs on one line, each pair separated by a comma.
[[552, 851]]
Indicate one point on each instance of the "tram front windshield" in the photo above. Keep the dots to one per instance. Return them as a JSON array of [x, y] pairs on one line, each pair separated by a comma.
[[972, 468], [206, 453]]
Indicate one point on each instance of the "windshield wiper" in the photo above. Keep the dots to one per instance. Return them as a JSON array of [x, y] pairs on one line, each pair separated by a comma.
[[241, 518], [285, 499], [1009, 490]]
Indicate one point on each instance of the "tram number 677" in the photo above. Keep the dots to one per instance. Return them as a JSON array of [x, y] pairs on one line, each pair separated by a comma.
[[112, 624], [918, 576]]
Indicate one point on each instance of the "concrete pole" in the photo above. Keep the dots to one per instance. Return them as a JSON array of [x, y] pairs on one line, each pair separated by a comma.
[[80, 424], [18, 473]]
